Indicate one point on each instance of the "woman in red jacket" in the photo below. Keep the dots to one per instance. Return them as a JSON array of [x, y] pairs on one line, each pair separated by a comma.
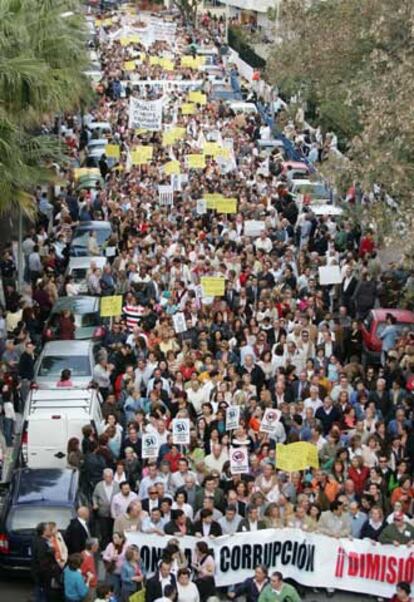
[[358, 473]]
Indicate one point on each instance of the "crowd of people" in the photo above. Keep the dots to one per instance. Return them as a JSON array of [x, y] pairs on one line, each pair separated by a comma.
[[275, 339]]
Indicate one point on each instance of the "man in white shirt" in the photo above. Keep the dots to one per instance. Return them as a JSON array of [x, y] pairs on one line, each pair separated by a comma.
[[217, 458], [152, 478], [121, 500], [102, 497], [313, 401], [178, 478]]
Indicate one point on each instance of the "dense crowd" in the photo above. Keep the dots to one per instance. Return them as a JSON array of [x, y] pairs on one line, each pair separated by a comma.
[[275, 339]]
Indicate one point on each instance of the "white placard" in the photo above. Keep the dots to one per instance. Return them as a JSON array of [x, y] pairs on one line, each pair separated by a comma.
[[254, 227], [330, 274], [165, 195], [150, 445], [201, 207], [179, 322], [270, 419], [181, 431], [232, 417], [145, 114], [239, 460]]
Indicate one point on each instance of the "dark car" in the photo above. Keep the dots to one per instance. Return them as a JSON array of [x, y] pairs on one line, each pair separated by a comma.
[[79, 243], [85, 310], [34, 496]]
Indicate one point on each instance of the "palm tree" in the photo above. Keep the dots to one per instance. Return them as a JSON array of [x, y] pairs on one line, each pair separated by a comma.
[[42, 56]]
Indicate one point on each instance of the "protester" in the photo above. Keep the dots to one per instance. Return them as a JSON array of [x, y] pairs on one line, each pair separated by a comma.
[[223, 308]]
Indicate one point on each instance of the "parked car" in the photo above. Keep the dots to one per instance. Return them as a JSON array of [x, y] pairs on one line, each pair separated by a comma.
[[34, 496], [296, 170], [374, 324], [243, 107], [224, 92], [78, 268], [79, 243], [51, 418], [85, 310], [76, 356], [317, 190]]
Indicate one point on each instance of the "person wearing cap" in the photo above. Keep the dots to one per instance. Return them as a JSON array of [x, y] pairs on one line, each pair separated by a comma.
[[398, 532]]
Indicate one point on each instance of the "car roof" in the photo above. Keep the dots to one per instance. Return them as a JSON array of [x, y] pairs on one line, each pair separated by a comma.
[[85, 262], [100, 125], [93, 225], [44, 486], [402, 315], [81, 304], [67, 347]]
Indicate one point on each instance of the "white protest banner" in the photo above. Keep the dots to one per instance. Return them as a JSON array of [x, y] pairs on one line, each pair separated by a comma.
[[167, 84], [150, 445], [201, 207], [179, 322], [254, 227], [330, 274], [165, 195], [145, 114], [181, 431], [311, 559], [239, 460], [232, 417], [270, 419]]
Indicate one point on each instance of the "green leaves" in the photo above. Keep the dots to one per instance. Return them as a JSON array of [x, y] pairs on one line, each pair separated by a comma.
[[42, 56]]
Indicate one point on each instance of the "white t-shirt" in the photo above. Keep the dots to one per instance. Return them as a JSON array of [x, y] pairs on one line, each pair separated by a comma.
[[188, 593]]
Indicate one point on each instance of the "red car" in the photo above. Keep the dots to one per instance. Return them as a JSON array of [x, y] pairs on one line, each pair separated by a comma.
[[374, 324]]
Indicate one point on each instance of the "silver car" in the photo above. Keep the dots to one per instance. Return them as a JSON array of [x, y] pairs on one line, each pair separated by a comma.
[[76, 356]]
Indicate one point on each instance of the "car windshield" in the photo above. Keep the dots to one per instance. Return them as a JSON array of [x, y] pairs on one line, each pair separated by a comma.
[[400, 327], [52, 365], [81, 237], [28, 517], [79, 274], [87, 320]]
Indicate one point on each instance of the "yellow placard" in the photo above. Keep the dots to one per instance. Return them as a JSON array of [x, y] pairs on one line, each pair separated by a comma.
[[226, 205], [129, 65], [179, 133], [141, 155], [78, 172], [197, 97], [188, 108], [172, 168], [199, 61], [168, 138], [213, 286], [107, 22], [211, 199], [187, 61], [111, 306], [132, 39], [296, 456], [112, 150], [196, 161], [154, 60], [140, 131], [167, 64]]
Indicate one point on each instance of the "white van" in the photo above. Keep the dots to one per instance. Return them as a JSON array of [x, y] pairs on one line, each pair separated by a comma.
[[51, 418]]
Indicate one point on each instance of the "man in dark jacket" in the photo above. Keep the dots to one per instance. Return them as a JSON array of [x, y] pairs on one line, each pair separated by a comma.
[[179, 524], [26, 370], [155, 587], [78, 532], [252, 586], [206, 526], [44, 565]]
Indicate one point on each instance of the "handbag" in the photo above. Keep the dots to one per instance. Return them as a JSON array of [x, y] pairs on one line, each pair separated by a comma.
[[138, 596]]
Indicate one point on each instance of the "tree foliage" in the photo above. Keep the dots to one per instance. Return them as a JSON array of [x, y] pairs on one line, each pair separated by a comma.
[[352, 62], [188, 9], [42, 55]]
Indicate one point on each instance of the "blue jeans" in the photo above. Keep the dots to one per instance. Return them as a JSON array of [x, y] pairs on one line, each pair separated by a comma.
[[8, 424], [40, 593]]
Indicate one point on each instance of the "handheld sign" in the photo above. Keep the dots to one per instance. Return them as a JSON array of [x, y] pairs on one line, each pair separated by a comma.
[[239, 460], [329, 274], [179, 322], [150, 445], [232, 417], [111, 306], [270, 419], [181, 431]]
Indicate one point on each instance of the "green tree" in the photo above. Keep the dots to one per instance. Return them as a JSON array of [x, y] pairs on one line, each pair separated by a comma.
[[352, 63]]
